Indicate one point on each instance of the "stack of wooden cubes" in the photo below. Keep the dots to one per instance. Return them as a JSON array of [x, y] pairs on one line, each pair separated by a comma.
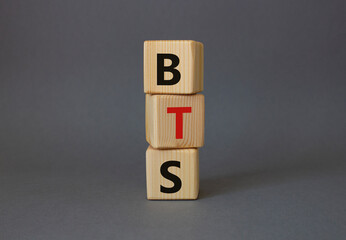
[[174, 117]]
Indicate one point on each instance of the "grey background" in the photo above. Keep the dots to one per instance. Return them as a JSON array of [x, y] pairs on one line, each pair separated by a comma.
[[72, 134]]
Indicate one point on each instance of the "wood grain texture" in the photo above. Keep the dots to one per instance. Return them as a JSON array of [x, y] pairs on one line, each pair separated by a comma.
[[188, 173], [190, 54], [161, 126]]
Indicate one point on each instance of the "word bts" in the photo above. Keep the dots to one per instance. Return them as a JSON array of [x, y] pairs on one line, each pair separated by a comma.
[[174, 117]]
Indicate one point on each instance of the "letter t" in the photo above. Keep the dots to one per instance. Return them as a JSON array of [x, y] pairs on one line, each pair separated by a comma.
[[179, 119]]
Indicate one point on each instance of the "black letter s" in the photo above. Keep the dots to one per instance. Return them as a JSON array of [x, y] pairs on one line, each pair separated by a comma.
[[175, 179]]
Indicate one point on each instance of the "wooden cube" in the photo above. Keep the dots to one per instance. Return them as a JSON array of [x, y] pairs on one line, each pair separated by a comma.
[[172, 174], [174, 121], [173, 67]]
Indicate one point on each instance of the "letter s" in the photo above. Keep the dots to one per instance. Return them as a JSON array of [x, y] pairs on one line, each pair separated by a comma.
[[166, 174]]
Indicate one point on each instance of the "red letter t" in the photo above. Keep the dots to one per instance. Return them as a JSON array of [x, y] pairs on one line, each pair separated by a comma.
[[178, 119]]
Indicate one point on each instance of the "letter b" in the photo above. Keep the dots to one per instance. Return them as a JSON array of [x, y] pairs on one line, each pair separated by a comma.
[[161, 69]]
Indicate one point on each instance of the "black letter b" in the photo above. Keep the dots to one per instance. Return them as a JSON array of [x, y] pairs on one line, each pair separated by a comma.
[[161, 69]]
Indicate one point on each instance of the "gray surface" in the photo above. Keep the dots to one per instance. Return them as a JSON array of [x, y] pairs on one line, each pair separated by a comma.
[[72, 140]]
